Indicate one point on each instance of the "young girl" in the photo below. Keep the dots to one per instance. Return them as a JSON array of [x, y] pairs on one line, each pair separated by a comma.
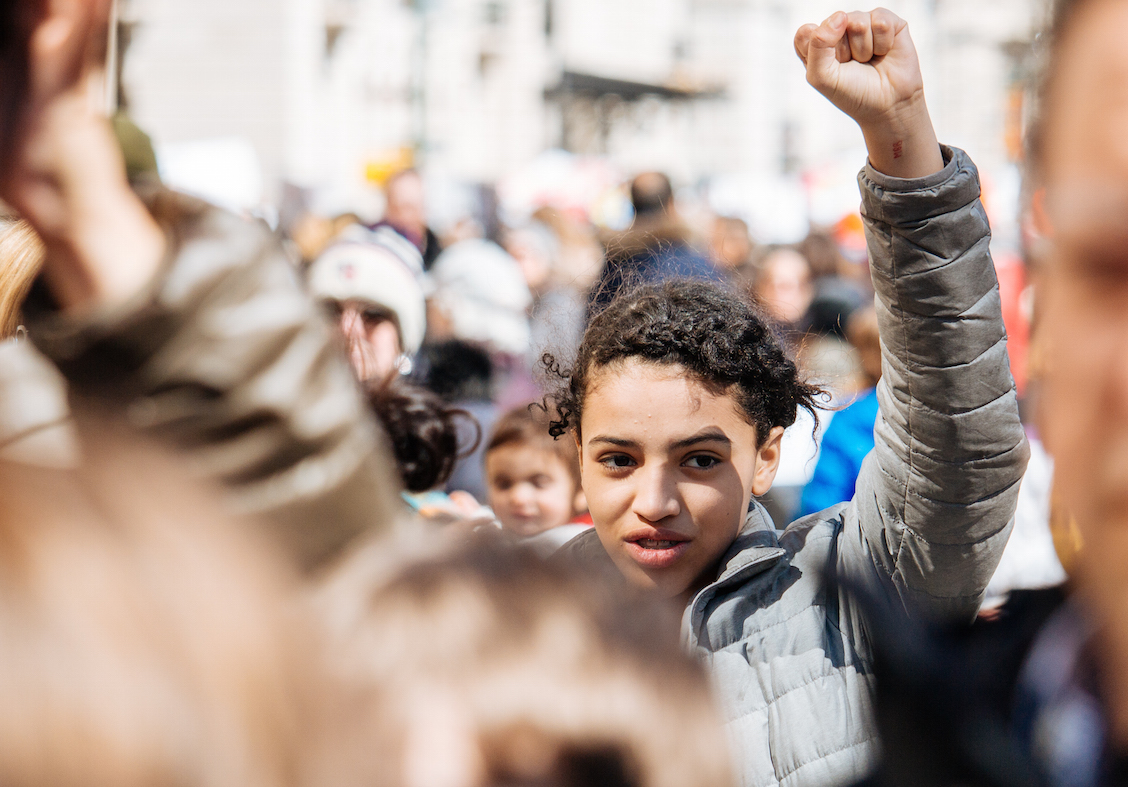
[[679, 396], [534, 481]]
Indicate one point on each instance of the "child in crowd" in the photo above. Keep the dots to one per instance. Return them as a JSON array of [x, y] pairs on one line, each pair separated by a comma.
[[534, 480], [679, 397], [372, 283]]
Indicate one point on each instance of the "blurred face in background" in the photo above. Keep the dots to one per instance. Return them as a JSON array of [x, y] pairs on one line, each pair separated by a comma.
[[863, 334], [372, 338], [784, 285], [531, 489], [1083, 293], [406, 207], [533, 257], [730, 245]]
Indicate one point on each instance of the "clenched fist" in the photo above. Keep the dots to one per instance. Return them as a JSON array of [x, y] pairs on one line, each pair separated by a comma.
[[866, 65]]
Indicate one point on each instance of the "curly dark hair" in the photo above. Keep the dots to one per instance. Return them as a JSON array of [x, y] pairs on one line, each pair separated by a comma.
[[718, 337], [423, 430]]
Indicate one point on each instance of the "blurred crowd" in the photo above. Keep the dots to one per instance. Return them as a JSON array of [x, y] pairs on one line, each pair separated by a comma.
[[310, 504], [479, 321], [472, 318]]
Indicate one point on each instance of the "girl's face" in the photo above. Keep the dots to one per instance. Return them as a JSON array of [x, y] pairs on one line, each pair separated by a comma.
[[373, 341], [668, 469], [530, 488]]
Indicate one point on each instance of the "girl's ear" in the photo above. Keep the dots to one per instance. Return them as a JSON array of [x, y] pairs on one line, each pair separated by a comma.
[[767, 462]]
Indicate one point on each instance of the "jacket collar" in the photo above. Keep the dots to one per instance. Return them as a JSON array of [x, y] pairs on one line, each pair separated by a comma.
[[755, 550], [757, 546]]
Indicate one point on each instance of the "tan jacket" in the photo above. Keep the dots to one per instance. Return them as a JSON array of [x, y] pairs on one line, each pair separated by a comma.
[[226, 360]]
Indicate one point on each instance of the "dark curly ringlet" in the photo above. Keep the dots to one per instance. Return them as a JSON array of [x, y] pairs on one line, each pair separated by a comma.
[[719, 338], [423, 430]]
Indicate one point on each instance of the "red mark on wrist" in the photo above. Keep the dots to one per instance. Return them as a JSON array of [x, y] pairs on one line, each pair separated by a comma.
[[898, 149]]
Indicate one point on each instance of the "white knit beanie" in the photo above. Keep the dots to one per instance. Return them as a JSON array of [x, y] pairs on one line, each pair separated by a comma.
[[378, 267], [483, 293]]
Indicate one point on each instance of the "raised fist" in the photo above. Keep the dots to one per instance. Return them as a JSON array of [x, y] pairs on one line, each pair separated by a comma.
[[866, 65]]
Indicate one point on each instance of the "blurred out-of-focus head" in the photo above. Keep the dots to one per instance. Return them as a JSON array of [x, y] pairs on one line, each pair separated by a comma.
[[863, 335], [533, 479], [730, 245], [372, 283], [406, 207], [823, 254], [651, 195], [21, 256], [783, 285], [536, 249], [493, 668], [480, 296], [580, 258], [1080, 159], [423, 430], [145, 638]]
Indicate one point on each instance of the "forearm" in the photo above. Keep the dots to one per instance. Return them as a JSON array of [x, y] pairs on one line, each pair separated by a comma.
[[902, 143], [91, 267], [937, 295]]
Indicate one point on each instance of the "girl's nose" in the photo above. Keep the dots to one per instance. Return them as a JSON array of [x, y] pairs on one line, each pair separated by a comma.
[[656, 496]]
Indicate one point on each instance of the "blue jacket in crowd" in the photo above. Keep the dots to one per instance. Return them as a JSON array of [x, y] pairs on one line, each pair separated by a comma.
[[848, 438]]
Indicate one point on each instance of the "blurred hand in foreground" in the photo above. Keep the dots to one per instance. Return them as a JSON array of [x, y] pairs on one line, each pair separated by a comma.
[[65, 173]]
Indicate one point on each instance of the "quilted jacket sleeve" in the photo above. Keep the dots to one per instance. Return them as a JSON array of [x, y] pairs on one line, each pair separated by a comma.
[[225, 359], [933, 504]]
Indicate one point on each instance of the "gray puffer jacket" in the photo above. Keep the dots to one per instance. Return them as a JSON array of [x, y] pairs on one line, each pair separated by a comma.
[[788, 653]]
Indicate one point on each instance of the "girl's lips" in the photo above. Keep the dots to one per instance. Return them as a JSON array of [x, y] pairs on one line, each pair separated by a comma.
[[655, 553]]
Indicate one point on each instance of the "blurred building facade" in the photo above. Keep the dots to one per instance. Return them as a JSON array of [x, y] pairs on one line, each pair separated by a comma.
[[330, 94]]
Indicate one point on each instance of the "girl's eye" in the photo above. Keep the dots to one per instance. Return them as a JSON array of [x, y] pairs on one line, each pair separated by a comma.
[[617, 461], [702, 461]]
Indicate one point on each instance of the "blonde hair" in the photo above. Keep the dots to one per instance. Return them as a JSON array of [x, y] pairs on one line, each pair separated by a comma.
[[21, 257], [508, 670], [144, 641]]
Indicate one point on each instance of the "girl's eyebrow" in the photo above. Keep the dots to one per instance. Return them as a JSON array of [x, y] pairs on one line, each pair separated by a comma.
[[614, 441], [710, 436]]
